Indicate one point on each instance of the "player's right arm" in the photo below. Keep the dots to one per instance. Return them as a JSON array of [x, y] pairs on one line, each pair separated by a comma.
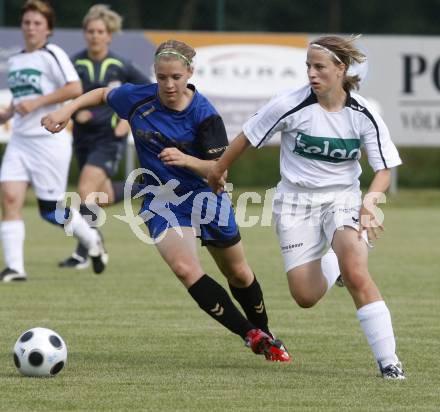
[[56, 121], [216, 176], [6, 114]]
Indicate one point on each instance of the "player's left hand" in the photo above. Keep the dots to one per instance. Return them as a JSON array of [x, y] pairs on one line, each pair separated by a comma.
[[27, 106], [172, 156], [368, 221]]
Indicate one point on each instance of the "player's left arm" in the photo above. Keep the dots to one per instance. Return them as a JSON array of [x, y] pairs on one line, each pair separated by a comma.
[[171, 156], [68, 91], [369, 218], [382, 156], [211, 142]]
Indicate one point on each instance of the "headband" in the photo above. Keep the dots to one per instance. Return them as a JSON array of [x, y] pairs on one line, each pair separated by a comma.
[[328, 51], [174, 53]]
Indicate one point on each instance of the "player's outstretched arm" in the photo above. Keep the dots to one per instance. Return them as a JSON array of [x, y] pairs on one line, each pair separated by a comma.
[[216, 175], [56, 121]]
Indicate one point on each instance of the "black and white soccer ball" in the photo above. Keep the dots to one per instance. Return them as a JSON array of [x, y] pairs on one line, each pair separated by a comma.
[[40, 352]]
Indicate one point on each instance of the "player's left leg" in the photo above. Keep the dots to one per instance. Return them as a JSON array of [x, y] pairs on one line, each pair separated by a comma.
[[242, 282], [49, 165], [372, 312]]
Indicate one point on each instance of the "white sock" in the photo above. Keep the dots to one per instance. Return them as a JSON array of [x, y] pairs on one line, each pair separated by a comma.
[[12, 233], [78, 227], [375, 320], [330, 267]]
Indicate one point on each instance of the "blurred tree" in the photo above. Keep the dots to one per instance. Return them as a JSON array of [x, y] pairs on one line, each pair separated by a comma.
[[312, 16]]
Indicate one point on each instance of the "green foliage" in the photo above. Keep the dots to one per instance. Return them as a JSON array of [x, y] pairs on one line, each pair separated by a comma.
[[313, 16], [138, 342]]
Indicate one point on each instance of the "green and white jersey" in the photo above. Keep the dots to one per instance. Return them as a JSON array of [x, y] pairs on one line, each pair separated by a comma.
[[320, 149], [35, 74]]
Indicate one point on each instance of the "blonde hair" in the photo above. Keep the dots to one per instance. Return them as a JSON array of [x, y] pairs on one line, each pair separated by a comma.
[[111, 19], [175, 49], [343, 50]]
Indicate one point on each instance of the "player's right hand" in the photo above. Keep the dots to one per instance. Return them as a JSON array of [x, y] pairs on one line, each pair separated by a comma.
[[55, 122]]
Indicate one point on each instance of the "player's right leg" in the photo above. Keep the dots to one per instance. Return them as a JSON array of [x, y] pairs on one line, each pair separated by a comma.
[[12, 230]]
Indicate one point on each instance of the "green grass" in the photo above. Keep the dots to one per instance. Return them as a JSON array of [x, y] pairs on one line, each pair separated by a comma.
[[138, 342]]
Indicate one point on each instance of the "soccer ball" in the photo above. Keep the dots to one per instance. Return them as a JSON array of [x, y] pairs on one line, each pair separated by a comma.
[[40, 352]]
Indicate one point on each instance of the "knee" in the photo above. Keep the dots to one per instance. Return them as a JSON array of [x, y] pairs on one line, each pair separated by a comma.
[[239, 275], [49, 212], [357, 279], [304, 300], [184, 271], [9, 200]]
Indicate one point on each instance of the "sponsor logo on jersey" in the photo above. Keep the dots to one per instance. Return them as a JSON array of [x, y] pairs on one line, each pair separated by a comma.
[[328, 149], [25, 82]]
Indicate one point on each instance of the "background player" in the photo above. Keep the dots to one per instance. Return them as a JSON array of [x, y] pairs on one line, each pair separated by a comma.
[[178, 135], [40, 77], [99, 136], [318, 202]]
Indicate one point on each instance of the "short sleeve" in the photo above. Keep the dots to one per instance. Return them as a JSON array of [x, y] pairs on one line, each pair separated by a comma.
[[212, 138], [62, 69], [119, 100], [263, 125], [381, 151]]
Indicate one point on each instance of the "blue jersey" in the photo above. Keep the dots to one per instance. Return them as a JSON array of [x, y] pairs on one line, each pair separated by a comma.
[[186, 200], [198, 130]]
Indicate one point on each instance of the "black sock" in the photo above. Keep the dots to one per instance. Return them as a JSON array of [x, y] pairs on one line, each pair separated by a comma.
[[87, 212], [118, 190], [252, 302], [215, 301]]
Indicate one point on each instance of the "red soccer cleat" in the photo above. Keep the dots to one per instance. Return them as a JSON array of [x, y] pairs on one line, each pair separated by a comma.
[[272, 349]]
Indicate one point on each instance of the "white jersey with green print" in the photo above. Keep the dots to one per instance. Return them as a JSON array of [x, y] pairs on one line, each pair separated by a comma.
[[36, 74], [320, 149]]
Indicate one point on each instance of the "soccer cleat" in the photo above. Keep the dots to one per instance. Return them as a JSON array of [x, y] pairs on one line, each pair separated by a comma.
[[99, 255], [339, 281], [261, 343], [74, 262], [392, 371], [11, 275]]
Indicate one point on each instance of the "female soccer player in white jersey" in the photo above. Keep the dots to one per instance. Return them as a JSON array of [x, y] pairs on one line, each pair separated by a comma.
[[40, 78], [323, 126], [178, 135]]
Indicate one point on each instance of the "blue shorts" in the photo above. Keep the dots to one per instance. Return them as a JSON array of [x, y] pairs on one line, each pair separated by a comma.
[[211, 215]]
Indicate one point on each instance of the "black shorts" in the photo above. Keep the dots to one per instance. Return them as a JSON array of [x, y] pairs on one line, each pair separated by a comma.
[[106, 157]]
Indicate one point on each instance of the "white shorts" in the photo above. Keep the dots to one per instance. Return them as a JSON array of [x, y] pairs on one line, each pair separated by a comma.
[[306, 222], [42, 161]]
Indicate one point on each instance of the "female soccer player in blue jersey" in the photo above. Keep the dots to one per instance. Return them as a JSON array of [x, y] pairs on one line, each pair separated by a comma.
[[99, 136], [40, 78], [318, 201], [178, 136]]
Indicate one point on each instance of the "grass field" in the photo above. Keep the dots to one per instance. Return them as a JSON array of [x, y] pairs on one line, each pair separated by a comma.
[[138, 342]]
